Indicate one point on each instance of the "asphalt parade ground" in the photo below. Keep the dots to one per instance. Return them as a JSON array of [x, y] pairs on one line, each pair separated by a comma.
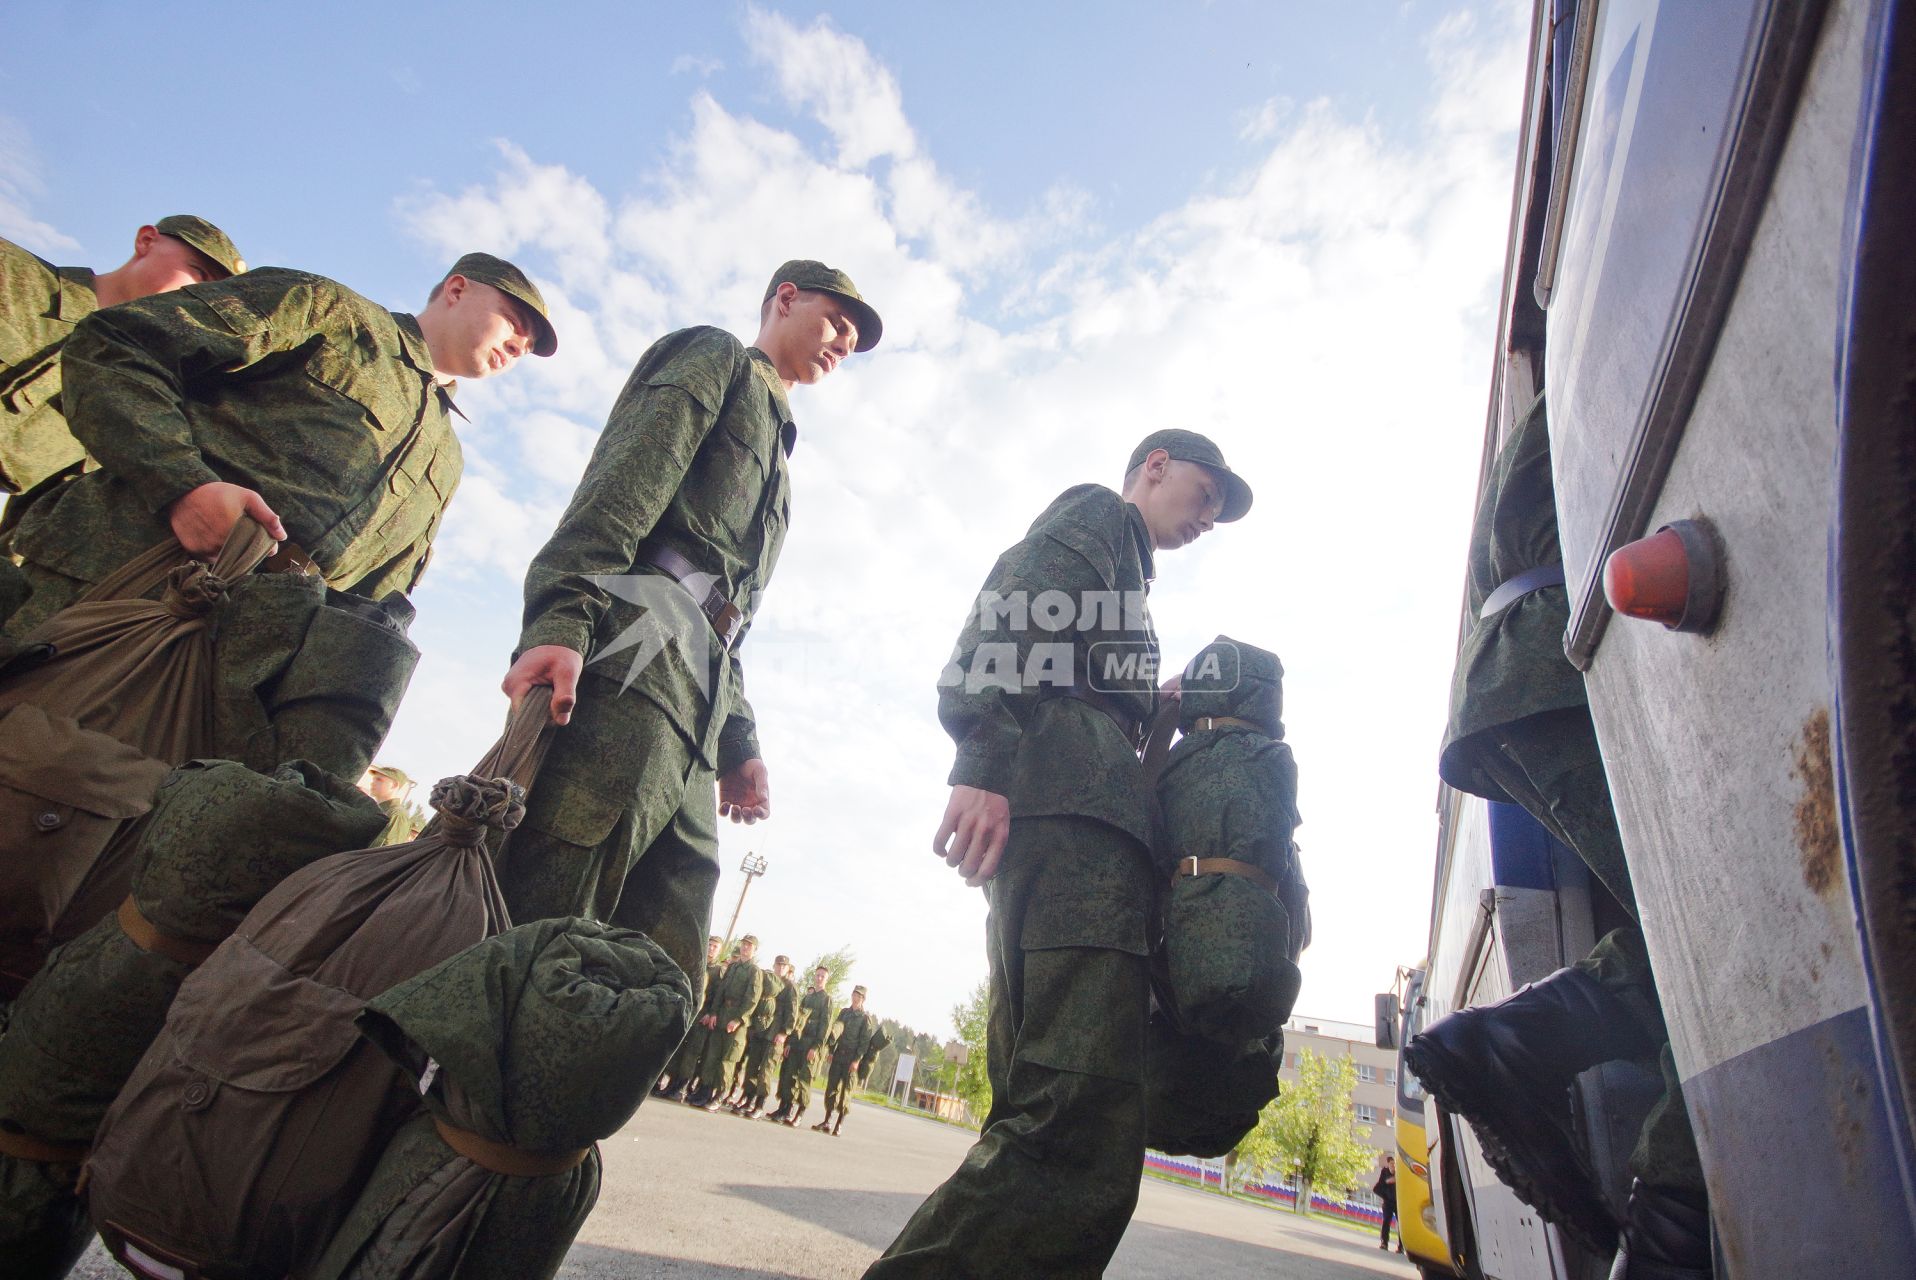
[[692, 1196]]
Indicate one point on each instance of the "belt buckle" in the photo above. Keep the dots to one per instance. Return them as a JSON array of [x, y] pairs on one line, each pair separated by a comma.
[[727, 619]]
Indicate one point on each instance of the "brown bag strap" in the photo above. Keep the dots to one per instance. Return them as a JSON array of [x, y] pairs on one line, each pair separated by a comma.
[[24, 1146], [148, 936], [246, 545], [1226, 867], [497, 1157], [1204, 723], [523, 745]]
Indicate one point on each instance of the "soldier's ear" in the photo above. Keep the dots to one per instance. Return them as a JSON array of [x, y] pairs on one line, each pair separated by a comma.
[[144, 239]]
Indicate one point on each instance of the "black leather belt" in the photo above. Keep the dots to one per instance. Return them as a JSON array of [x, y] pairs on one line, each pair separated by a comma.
[[727, 619], [1544, 575]]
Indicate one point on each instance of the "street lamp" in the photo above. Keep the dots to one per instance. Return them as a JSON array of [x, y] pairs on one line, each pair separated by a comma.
[[753, 867]]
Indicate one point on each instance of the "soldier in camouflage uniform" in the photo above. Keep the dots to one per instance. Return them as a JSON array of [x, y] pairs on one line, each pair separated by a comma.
[[734, 1001], [1049, 811], [278, 395], [801, 1051], [852, 1046], [390, 788], [684, 1069], [1520, 731], [772, 1025], [655, 566], [39, 305]]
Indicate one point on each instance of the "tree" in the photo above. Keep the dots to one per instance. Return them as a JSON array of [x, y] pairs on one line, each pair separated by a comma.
[[972, 1019], [1310, 1131], [840, 963]]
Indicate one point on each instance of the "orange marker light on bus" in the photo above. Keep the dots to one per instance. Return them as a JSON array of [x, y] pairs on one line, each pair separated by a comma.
[[1673, 577]]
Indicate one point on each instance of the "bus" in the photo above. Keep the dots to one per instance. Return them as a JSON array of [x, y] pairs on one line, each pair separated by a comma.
[[1710, 268]]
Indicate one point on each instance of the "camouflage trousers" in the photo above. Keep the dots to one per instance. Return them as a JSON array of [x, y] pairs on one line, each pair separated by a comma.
[[718, 1069], [838, 1087], [685, 1063], [795, 1079], [1052, 1181], [759, 1067], [1551, 765], [621, 826]]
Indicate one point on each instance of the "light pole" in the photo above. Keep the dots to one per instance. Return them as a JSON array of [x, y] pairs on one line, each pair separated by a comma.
[[753, 867]]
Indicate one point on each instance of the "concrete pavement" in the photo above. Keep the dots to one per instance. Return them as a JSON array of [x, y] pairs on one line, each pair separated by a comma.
[[692, 1196]]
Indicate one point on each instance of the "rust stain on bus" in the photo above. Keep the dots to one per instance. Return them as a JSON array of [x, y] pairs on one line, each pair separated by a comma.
[[1817, 840]]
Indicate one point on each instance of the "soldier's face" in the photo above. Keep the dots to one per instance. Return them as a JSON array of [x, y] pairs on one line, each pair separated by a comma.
[[807, 334], [163, 263], [480, 331], [818, 978], [858, 1000], [712, 949], [1180, 501], [746, 951]]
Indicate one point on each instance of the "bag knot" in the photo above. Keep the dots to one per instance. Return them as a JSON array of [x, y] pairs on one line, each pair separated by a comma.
[[471, 806], [192, 589]]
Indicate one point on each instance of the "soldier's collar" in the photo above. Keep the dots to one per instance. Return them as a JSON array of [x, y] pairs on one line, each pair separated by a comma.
[[412, 345], [78, 297], [1141, 534], [768, 374]]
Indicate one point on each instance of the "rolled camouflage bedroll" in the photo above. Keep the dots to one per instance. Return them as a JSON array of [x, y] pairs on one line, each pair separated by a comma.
[[250, 1125], [220, 836], [1227, 796], [539, 1042]]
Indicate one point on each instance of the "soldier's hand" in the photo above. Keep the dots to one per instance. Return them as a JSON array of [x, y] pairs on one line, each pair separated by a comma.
[[547, 664], [711, 1021], [202, 517], [972, 836], [745, 794], [1172, 688], [731, 1026]]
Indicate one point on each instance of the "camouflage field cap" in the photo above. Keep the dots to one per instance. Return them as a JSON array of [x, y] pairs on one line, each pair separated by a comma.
[[512, 282], [750, 937], [1189, 446], [858, 991], [205, 237], [781, 959], [1230, 678], [816, 276], [392, 773], [714, 938]]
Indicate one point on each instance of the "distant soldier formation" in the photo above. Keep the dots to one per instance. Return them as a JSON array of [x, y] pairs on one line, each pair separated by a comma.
[[757, 1038]]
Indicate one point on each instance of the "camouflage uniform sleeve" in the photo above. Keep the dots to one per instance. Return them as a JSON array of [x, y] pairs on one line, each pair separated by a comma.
[[832, 1037], [785, 1016], [738, 740], [643, 455], [125, 371], [983, 699]]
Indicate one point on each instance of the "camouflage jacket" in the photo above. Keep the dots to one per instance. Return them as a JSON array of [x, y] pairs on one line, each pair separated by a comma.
[[854, 1037], [1063, 608], [39, 305], [774, 1007], [713, 971], [1511, 664], [814, 1018], [737, 994], [281, 381], [693, 459]]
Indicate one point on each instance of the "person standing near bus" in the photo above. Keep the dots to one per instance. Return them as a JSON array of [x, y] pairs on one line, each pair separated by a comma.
[[1385, 1189], [1520, 731], [1050, 812]]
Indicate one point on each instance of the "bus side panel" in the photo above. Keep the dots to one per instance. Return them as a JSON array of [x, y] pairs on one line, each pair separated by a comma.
[[1718, 751]]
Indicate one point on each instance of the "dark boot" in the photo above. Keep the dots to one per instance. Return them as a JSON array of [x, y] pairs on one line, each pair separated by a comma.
[[839, 1125], [1666, 1236], [825, 1125], [1507, 1068]]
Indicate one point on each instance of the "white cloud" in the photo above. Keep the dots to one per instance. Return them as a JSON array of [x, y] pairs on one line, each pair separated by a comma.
[[20, 186], [1327, 316]]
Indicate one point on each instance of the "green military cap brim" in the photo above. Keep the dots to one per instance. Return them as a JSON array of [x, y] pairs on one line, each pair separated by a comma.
[[1190, 446], [509, 280], [392, 773], [205, 237], [859, 991], [750, 937], [806, 273]]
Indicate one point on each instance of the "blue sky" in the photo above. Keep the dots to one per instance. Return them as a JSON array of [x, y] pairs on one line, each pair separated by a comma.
[[1280, 223]]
